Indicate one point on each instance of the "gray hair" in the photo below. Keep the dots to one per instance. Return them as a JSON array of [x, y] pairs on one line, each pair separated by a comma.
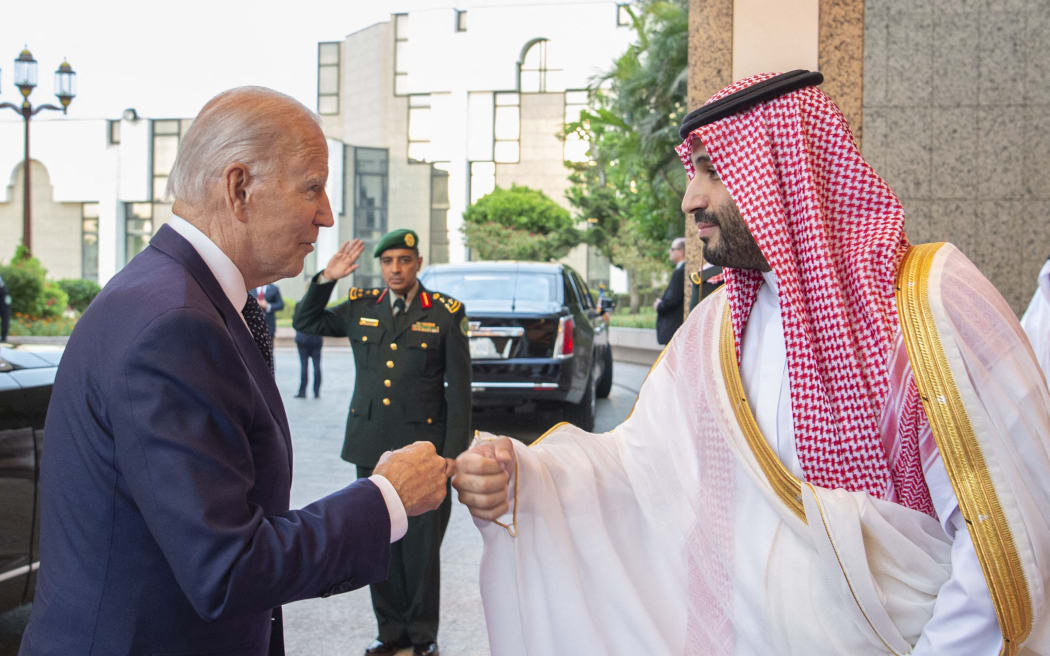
[[247, 125], [678, 243]]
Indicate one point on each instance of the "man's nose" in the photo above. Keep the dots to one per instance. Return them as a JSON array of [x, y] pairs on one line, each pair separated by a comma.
[[324, 214], [694, 199]]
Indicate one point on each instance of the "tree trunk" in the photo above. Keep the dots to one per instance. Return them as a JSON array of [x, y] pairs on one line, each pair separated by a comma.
[[632, 289]]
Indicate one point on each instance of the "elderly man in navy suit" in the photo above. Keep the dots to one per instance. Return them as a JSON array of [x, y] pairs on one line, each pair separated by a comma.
[[166, 526]]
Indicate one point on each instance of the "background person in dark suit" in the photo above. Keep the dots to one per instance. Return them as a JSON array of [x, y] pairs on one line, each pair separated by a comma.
[[309, 347], [669, 306], [408, 344], [269, 299], [167, 465]]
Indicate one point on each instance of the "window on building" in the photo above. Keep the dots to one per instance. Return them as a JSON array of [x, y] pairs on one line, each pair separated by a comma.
[[113, 132], [138, 228], [370, 209], [535, 74], [575, 145], [166, 135], [623, 16], [461, 20], [328, 57], [419, 127], [439, 206], [400, 54], [506, 127], [89, 241], [482, 179]]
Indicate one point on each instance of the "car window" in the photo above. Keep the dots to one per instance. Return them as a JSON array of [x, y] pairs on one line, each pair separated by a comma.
[[571, 295], [588, 302], [495, 285]]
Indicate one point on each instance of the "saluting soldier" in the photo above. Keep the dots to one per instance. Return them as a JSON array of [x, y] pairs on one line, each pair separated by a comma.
[[408, 343]]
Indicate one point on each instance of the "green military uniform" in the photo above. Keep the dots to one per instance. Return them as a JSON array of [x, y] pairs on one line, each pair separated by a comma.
[[400, 396]]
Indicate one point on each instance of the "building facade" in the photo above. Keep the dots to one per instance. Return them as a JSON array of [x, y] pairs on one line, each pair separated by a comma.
[[438, 107]]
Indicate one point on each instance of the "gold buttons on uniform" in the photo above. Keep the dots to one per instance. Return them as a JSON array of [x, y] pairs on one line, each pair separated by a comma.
[[429, 420], [386, 401], [389, 364], [387, 382], [393, 347], [423, 345], [365, 338]]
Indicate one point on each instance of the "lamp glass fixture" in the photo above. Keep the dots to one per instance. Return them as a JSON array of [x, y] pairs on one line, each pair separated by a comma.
[[25, 72], [65, 83]]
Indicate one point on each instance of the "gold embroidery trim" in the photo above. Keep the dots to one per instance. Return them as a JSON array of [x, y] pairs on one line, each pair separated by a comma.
[[960, 450], [786, 485]]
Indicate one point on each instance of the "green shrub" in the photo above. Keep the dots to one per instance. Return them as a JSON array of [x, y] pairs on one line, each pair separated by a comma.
[[53, 301], [25, 288], [81, 292]]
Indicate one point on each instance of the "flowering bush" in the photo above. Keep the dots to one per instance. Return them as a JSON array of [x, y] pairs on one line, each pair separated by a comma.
[[23, 325]]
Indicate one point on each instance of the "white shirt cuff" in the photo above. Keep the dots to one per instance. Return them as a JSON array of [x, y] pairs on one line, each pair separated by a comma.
[[398, 516]]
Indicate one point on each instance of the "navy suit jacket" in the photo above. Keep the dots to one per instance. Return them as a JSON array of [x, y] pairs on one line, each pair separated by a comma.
[[165, 481], [669, 313]]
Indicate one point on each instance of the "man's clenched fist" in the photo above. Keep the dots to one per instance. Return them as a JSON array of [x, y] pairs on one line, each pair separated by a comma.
[[482, 476], [418, 474]]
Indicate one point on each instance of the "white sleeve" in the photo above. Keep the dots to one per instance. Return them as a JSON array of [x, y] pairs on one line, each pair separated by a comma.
[[964, 620], [398, 516]]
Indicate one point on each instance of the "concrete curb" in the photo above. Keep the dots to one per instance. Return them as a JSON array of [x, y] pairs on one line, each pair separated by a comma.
[[635, 345]]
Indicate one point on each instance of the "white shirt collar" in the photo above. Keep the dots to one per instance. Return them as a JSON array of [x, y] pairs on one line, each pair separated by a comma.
[[770, 279], [221, 266]]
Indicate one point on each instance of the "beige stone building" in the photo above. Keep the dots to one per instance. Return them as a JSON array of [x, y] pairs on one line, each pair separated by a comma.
[[437, 107]]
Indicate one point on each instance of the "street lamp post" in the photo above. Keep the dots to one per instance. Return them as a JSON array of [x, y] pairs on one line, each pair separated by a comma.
[[25, 80]]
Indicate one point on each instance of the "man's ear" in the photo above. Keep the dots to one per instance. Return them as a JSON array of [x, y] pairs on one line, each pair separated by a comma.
[[235, 181]]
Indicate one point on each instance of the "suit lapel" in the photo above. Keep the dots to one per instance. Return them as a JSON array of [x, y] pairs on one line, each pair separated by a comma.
[[172, 244]]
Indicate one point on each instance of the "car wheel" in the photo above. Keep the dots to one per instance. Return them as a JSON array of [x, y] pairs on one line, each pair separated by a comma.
[[605, 382], [582, 413]]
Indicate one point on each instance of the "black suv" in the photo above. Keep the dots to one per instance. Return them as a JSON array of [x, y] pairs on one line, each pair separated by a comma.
[[27, 374], [536, 335]]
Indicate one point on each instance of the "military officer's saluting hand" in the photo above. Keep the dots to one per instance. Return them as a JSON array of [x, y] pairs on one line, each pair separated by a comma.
[[344, 262]]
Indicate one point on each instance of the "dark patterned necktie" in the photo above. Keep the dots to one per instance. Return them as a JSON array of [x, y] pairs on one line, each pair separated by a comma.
[[399, 313], [256, 320]]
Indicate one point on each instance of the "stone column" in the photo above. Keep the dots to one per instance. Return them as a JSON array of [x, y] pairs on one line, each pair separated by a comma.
[[710, 69]]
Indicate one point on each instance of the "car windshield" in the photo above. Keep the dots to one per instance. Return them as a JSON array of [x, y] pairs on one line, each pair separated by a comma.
[[515, 286]]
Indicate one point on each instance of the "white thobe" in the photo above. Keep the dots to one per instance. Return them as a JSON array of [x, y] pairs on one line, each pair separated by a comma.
[[964, 620]]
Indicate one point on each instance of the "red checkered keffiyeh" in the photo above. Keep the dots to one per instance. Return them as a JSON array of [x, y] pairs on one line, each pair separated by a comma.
[[833, 233]]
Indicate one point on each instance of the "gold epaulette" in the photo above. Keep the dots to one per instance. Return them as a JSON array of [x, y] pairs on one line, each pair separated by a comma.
[[695, 277], [451, 304], [357, 293]]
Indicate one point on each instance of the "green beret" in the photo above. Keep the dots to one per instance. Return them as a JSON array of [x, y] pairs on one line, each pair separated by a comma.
[[403, 238]]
